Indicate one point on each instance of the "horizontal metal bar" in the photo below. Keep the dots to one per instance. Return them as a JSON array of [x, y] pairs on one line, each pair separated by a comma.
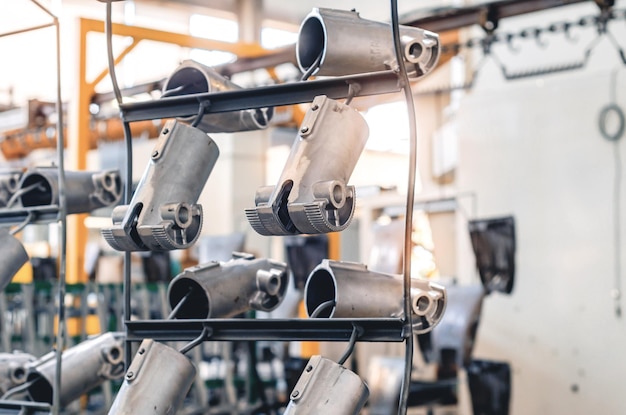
[[374, 330], [267, 96], [10, 407], [41, 215]]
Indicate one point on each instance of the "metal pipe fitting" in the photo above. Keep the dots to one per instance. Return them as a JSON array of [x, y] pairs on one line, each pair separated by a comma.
[[9, 184], [85, 191], [194, 78], [352, 291], [163, 213], [12, 257], [13, 370], [225, 289], [156, 382], [312, 195], [343, 43], [326, 387], [85, 366]]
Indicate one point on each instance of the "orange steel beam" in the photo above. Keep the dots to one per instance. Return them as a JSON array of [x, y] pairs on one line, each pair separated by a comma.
[[79, 137]]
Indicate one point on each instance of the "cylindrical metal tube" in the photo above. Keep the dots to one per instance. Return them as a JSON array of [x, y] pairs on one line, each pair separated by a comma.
[[85, 191], [194, 78], [84, 366], [156, 382], [12, 257], [13, 370], [221, 290], [345, 44], [163, 213], [352, 291], [326, 387]]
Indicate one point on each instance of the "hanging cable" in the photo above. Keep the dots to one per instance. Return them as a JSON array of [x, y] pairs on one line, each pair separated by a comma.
[[21, 192], [356, 333], [179, 305], [408, 227], [314, 67], [203, 105], [22, 225], [18, 389], [196, 341], [322, 307]]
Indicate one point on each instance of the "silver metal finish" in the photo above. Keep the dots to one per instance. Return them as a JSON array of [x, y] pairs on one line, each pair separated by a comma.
[[85, 191], [312, 195], [359, 293], [225, 289], [458, 327], [194, 78], [156, 382], [163, 213], [349, 44], [9, 183], [12, 257], [84, 366], [325, 387], [13, 369]]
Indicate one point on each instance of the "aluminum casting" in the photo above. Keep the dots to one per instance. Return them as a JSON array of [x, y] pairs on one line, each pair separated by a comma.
[[84, 191], [350, 290], [312, 195], [85, 366], [9, 184], [156, 382], [341, 42], [194, 78], [459, 325], [326, 387], [225, 289], [163, 213], [12, 257], [13, 369]]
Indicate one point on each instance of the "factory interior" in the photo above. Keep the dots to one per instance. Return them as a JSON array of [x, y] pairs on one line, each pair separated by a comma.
[[455, 247]]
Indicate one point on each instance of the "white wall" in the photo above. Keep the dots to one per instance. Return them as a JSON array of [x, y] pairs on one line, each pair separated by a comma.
[[531, 148]]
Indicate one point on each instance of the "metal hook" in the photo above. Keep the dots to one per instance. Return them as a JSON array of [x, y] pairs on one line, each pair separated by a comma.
[[541, 42], [509, 43]]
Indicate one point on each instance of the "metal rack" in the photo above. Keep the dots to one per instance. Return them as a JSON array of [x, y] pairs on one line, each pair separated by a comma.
[[374, 330]]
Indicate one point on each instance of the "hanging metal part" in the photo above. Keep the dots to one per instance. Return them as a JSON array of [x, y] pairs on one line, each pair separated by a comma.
[[156, 382], [225, 289], [326, 387], [360, 293], [312, 195], [84, 191], [85, 366], [13, 369], [12, 257], [163, 213], [349, 44], [194, 78], [9, 184]]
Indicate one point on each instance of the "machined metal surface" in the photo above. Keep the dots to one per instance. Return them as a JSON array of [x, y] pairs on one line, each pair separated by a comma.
[[351, 290], [194, 78], [156, 382], [326, 387], [9, 184], [13, 369], [163, 213], [225, 289], [85, 366], [84, 191], [332, 330], [12, 257], [341, 42], [312, 195]]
